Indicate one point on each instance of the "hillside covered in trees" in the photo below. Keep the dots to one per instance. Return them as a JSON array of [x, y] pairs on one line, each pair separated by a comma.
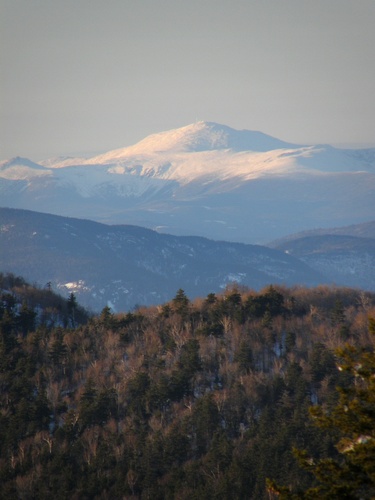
[[192, 399]]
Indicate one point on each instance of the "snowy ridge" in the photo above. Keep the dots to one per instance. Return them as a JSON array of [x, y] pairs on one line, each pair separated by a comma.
[[21, 169], [20, 162], [103, 181], [63, 161]]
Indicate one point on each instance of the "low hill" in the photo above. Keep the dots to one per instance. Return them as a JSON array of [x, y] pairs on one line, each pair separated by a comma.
[[364, 230], [345, 256]]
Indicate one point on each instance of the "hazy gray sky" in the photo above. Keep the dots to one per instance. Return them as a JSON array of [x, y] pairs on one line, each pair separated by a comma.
[[84, 76]]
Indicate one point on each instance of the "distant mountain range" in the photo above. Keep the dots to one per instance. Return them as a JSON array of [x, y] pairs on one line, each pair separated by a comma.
[[345, 256], [204, 179], [364, 230]]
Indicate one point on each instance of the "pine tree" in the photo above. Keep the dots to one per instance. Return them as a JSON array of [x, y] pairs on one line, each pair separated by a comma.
[[352, 474], [181, 303], [72, 308]]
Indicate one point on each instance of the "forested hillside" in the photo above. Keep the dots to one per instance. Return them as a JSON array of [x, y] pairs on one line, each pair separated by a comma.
[[198, 400], [123, 266]]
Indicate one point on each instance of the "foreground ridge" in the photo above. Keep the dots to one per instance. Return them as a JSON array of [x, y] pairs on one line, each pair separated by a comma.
[[201, 398]]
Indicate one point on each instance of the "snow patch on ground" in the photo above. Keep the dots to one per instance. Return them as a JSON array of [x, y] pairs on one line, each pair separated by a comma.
[[74, 286], [233, 278]]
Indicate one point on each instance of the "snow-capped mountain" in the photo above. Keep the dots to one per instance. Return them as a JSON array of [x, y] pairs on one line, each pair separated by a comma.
[[204, 179], [19, 169], [200, 136]]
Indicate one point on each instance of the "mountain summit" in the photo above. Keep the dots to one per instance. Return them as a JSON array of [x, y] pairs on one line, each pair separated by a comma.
[[198, 137]]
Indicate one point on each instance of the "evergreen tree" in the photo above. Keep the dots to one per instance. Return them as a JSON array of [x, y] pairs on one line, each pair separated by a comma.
[[181, 303], [352, 474], [72, 308], [26, 319]]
